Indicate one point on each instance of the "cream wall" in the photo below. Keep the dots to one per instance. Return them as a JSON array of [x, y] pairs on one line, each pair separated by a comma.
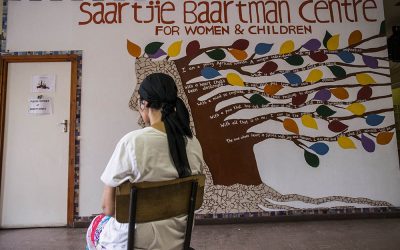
[[106, 87], [109, 80]]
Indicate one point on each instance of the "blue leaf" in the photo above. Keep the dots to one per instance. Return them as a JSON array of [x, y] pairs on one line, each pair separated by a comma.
[[346, 56], [320, 148], [209, 73], [263, 48], [293, 78], [374, 120]]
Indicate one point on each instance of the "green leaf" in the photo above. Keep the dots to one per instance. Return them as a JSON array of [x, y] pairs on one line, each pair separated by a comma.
[[258, 100], [152, 48], [216, 54], [295, 60], [326, 39], [325, 111], [337, 71], [311, 159]]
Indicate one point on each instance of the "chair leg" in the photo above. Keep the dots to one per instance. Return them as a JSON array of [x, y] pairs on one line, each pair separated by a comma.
[[132, 219], [192, 205]]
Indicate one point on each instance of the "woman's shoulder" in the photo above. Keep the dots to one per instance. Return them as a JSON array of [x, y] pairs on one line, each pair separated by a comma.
[[131, 136]]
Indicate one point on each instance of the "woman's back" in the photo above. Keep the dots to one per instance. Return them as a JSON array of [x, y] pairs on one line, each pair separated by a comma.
[[143, 155]]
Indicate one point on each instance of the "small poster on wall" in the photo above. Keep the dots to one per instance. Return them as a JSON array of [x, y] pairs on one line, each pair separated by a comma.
[[40, 105], [43, 83]]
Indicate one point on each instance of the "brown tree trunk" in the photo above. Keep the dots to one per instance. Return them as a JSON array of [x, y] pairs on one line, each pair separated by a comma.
[[229, 163]]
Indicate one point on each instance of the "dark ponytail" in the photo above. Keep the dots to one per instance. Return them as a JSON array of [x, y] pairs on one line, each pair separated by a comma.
[[160, 91]]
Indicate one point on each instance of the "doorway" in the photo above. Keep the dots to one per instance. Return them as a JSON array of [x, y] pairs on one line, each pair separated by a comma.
[[37, 144]]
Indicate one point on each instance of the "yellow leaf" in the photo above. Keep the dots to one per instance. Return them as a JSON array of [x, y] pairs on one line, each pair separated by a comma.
[[356, 108], [309, 121], [291, 126], [346, 143], [175, 49], [238, 54], [234, 79], [272, 89], [314, 76], [333, 43], [133, 49], [384, 138], [365, 79], [287, 47]]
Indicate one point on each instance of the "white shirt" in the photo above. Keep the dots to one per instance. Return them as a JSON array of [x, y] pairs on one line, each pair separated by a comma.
[[143, 155]]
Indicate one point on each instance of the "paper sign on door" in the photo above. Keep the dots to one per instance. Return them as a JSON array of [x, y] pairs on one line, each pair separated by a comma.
[[43, 83], [40, 106]]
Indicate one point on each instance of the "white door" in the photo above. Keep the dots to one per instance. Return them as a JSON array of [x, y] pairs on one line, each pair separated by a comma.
[[35, 159]]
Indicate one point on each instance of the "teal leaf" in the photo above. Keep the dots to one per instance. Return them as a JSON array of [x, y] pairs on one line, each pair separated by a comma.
[[311, 159], [295, 60], [258, 100], [337, 71], [326, 39], [216, 54], [152, 48], [382, 30], [325, 111]]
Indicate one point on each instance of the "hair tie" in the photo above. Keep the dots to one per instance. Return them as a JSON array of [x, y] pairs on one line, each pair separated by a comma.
[[167, 109]]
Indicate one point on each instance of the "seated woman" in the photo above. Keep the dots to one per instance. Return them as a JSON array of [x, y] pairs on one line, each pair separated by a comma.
[[163, 151]]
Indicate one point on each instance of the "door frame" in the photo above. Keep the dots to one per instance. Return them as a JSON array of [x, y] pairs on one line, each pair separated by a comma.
[[73, 59]]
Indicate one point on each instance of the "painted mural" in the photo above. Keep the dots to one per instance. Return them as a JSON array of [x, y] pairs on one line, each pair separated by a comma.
[[284, 103]]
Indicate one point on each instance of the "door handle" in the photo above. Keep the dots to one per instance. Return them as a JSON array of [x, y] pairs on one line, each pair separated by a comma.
[[65, 123]]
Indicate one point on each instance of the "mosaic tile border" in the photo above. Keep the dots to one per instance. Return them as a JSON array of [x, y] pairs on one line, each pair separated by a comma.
[[4, 26], [346, 212]]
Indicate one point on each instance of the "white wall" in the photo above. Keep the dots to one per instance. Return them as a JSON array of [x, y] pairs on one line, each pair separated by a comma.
[[107, 84], [108, 81]]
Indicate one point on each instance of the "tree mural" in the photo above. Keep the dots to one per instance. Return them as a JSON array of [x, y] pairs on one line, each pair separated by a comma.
[[317, 95]]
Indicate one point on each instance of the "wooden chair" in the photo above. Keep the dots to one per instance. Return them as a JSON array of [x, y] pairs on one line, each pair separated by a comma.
[[153, 201]]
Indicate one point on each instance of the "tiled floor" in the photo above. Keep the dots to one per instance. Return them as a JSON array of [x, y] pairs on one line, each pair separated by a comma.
[[342, 234]]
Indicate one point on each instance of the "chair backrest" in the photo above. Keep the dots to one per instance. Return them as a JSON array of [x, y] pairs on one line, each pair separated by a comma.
[[158, 200]]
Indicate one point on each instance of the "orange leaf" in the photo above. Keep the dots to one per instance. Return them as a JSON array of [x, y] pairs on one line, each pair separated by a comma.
[[291, 126], [238, 54], [384, 138], [340, 93], [355, 37], [133, 49], [272, 89]]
